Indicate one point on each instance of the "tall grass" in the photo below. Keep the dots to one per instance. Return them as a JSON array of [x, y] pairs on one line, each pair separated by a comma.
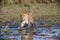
[[42, 11], [9, 2]]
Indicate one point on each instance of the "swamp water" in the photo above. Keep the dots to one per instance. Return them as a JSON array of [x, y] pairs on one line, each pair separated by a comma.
[[53, 33]]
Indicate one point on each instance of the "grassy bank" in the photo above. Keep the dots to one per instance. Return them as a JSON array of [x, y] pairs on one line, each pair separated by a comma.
[[48, 12]]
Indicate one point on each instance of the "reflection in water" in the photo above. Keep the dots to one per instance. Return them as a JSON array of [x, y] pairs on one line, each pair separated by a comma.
[[40, 33]]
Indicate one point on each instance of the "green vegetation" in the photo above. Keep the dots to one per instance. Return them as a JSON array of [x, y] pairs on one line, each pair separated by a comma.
[[48, 11]]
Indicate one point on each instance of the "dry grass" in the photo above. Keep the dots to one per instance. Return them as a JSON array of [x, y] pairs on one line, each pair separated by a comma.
[[48, 11]]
